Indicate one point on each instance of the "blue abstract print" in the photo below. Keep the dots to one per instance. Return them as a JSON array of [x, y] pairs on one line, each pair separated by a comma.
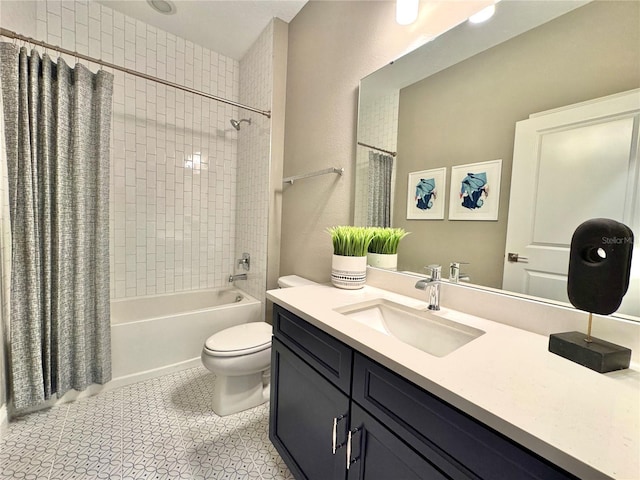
[[425, 193], [473, 190]]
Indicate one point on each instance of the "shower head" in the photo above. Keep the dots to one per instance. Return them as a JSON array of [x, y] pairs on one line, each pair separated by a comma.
[[236, 123]]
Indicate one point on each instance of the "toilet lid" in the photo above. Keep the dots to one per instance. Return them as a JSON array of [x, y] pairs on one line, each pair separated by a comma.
[[241, 339]]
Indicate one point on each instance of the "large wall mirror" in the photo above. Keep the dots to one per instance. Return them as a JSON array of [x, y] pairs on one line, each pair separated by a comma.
[[456, 101]]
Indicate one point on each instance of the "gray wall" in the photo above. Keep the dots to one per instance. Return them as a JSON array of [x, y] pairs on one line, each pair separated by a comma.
[[332, 45], [468, 112]]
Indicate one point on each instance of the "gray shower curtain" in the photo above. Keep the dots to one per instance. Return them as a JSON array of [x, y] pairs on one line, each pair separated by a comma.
[[379, 208], [57, 125]]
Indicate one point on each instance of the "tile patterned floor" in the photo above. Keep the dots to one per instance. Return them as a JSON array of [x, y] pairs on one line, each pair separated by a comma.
[[162, 428]]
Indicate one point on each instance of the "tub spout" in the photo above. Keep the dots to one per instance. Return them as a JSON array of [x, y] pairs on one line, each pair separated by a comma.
[[240, 276]]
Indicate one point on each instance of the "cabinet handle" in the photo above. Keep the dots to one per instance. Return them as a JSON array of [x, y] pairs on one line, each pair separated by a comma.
[[349, 447], [334, 435]]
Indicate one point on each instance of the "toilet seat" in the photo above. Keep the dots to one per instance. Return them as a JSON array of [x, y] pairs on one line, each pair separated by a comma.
[[242, 339]]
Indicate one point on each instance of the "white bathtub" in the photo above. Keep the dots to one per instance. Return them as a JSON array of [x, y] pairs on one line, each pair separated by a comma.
[[157, 334]]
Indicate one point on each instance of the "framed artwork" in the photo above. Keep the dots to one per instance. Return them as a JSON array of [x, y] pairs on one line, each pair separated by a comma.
[[425, 194], [475, 191]]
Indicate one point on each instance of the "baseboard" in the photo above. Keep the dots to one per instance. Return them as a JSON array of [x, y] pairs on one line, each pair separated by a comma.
[[130, 379], [156, 372]]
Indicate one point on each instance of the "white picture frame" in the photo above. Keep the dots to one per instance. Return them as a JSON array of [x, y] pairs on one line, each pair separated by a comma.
[[478, 198], [432, 185]]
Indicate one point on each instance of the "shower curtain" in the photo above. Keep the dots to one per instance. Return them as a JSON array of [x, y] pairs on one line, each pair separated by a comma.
[[57, 125], [379, 208]]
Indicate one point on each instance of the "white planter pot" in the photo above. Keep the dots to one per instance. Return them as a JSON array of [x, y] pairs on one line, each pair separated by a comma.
[[348, 272], [388, 261]]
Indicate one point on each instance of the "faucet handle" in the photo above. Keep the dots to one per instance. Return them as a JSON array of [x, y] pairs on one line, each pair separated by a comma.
[[454, 271], [436, 271], [457, 264], [245, 261]]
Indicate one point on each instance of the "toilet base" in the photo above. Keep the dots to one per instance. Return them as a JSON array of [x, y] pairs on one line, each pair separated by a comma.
[[235, 394]]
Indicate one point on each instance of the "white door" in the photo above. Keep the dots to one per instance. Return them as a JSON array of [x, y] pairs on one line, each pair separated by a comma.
[[571, 165]]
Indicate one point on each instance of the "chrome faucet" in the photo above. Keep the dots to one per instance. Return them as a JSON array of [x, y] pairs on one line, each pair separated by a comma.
[[454, 272], [239, 276], [433, 284]]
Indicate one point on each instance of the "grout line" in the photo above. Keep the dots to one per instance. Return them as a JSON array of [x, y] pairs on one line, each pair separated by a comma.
[[55, 455]]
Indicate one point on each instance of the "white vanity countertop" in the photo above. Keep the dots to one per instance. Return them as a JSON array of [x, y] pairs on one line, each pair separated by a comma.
[[585, 422]]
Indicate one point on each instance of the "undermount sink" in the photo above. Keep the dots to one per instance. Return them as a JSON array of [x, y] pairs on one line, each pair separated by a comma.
[[421, 329]]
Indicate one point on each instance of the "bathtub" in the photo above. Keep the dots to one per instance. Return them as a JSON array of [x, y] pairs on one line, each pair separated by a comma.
[[157, 334]]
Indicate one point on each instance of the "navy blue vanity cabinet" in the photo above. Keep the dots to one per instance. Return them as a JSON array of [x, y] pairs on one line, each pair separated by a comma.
[[312, 415], [310, 388], [338, 415]]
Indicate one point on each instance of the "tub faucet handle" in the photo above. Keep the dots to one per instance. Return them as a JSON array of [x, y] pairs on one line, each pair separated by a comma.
[[245, 261]]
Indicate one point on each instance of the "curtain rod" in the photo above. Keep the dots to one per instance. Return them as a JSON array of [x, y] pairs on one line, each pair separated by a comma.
[[9, 34], [393, 154]]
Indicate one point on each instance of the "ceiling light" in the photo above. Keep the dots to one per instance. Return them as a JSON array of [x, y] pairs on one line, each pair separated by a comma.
[[406, 11], [166, 7], [483, 15]]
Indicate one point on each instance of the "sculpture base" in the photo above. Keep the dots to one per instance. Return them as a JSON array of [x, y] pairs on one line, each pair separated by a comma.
[[598, 355]]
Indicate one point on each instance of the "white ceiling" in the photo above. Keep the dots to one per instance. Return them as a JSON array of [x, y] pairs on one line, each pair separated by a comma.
[[228, 27]]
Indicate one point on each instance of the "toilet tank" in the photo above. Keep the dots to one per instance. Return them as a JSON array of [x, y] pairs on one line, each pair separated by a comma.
[[289, 281]]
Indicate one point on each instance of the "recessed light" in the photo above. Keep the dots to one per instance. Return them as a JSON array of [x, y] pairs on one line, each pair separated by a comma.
[[166, 7], [406, 11], [483, 15]]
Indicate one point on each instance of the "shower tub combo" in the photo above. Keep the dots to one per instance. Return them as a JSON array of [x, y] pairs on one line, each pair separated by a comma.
[[157, 334]]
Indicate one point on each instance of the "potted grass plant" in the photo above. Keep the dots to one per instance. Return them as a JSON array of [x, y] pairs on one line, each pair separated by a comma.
[[383, 249], [349, 261]]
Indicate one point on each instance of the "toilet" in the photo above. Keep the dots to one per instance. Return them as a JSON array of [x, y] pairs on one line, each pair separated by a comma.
[[240, 356]]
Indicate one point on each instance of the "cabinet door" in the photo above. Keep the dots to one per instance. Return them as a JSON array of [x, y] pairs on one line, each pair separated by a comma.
[[377, 454], [303, 406]]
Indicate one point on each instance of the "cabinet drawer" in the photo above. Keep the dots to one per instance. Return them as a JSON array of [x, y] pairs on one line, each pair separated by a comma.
[[431, 425], [330, 357]]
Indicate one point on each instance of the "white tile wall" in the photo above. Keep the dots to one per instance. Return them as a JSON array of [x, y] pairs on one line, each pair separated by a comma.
[[377, 126], [256, 87], [173, 176]]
